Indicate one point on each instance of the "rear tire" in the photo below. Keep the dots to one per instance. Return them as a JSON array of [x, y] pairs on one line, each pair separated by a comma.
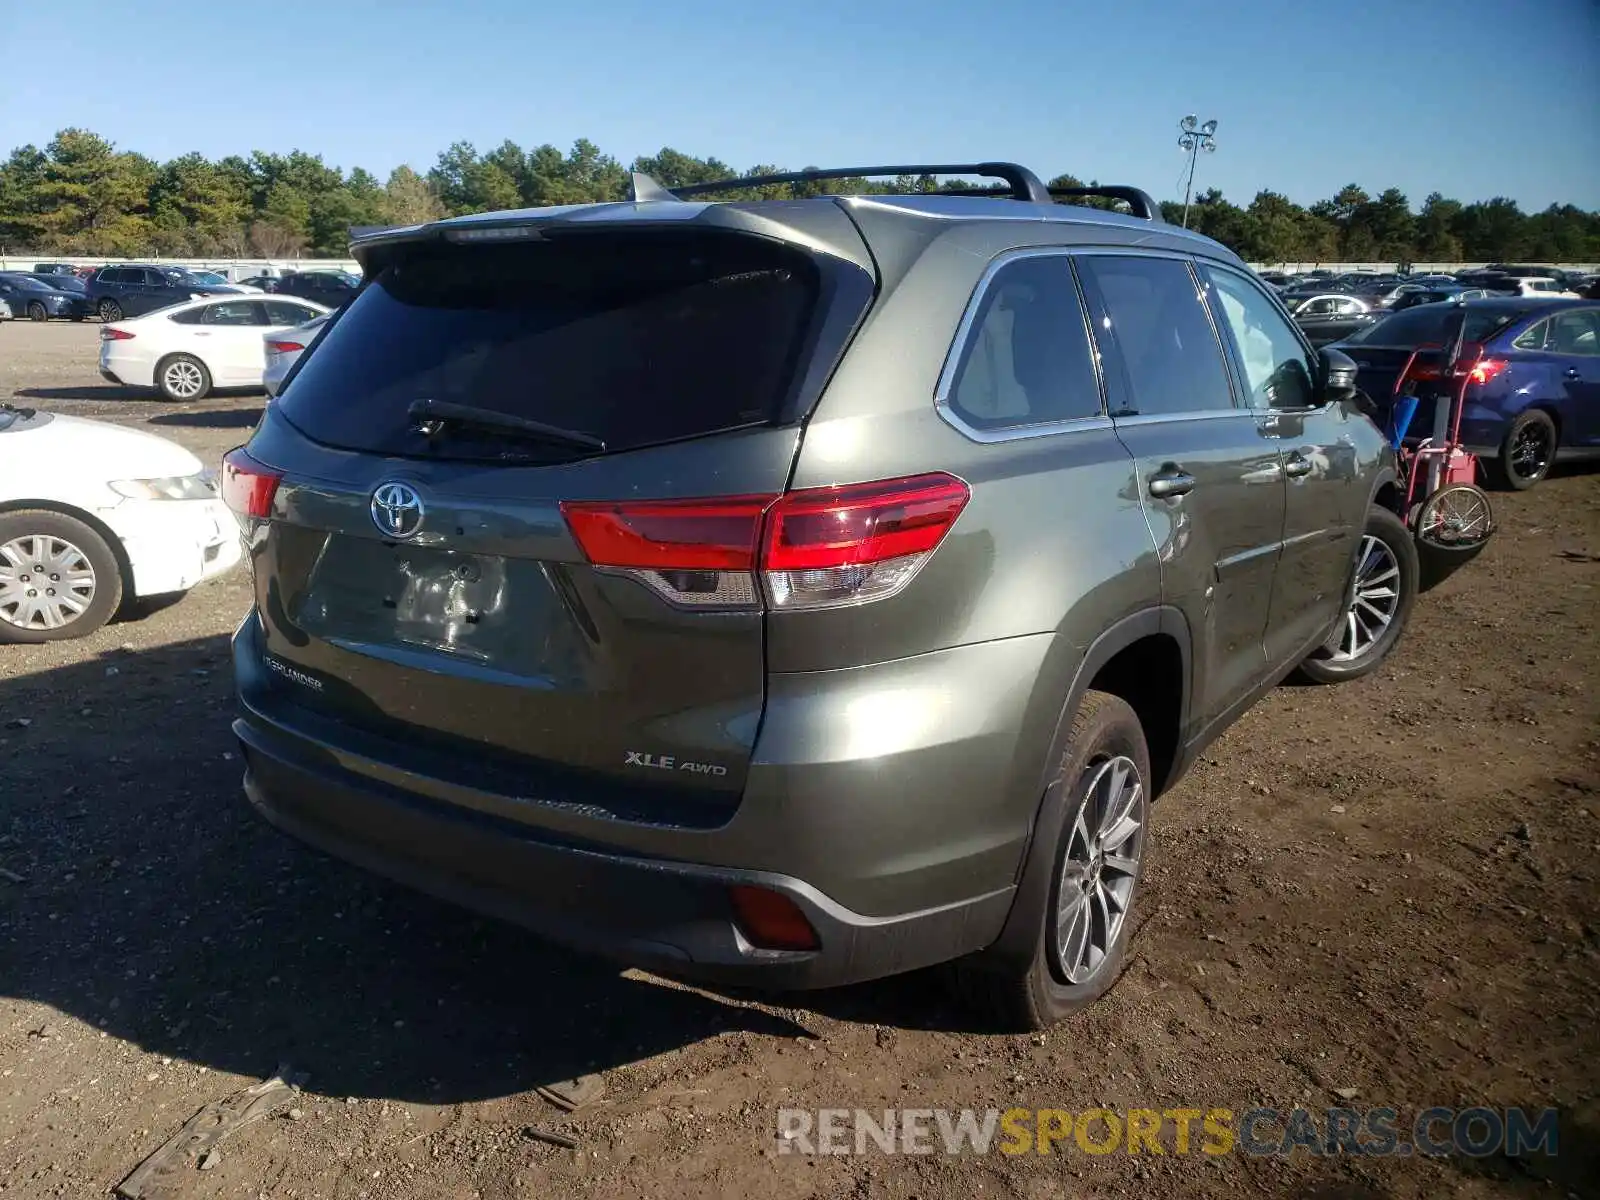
[[182, 377], [38, 312], [109, 310], [1085, 920], [1528, 451], [77, 565], [1385, 590]]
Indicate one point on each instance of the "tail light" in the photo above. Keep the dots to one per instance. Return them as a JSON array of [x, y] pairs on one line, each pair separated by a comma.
[[247, 486], [829, 546], [1486, 369], [286, 347], [815, 548], [109, 333]]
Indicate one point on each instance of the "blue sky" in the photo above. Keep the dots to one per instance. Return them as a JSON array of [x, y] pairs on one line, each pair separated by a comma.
[[1474, 98]]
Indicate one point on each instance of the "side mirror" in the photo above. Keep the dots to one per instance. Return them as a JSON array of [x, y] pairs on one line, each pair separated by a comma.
[[1338, 375]]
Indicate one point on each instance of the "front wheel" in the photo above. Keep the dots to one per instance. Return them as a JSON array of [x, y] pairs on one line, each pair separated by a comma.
[[38, 312], [1382, 594], [1083, 922], [58, 577]]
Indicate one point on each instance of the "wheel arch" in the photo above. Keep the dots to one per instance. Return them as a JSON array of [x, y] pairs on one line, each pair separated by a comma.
[[118, 550], [1156, 635]]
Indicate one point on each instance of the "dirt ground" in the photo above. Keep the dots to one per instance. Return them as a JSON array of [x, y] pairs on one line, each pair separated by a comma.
[[1390, 887]]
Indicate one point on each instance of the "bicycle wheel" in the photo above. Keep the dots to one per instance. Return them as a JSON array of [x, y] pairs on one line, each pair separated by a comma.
[[1456, 517]]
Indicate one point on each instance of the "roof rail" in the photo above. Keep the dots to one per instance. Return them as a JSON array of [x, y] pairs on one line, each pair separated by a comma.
[[1024, 184], [1142, 203]]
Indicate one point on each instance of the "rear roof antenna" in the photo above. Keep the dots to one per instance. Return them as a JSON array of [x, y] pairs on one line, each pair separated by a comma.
[[641, 188]]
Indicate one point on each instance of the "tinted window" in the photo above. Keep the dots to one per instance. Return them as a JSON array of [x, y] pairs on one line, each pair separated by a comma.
[[1534, 338], [1277, 369], [189, 316], [1575, 333], [1026, 359], [635, 339], [1432, 323], [111, 275], [234, 312], [1158, 322], [281, 312]]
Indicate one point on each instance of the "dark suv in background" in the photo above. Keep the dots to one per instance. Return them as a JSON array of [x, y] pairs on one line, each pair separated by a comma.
[[330, 288], [133, 289], [796, 592]]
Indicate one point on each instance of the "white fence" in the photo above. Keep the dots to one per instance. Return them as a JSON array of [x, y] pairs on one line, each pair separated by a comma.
[[234, 268]]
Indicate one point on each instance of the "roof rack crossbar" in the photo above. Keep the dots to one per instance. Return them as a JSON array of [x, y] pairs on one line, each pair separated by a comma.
[[1024, 184], [1142, 203]]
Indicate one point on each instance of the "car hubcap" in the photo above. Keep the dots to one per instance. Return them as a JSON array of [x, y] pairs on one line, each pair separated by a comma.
[[1377, 597], [1100, 868], [110, 311], [183, 379], [45, 582], [1530, 451]]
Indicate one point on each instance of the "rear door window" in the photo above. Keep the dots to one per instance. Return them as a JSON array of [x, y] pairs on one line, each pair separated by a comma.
[[1576, 333], [1026, 359], [1416, 326], [1154, 313], [635, 339]]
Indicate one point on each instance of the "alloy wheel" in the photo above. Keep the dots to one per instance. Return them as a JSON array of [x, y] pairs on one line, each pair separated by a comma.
[[1530, 451], [182, 379], [1375, 601], [1100, 868], [46, 582]]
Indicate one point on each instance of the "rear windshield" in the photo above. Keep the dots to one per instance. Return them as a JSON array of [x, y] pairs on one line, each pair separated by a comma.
[[1425, 323], [635, 339]]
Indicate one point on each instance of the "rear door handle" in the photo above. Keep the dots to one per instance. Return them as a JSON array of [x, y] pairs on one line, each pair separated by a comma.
[[1297, 466], [1171, 482]]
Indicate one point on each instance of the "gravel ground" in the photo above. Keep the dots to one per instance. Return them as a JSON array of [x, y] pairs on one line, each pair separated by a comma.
[[1382, 894]]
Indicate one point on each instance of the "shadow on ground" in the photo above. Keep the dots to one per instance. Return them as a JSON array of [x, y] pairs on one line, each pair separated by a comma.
[[155, 906], [210, 418]]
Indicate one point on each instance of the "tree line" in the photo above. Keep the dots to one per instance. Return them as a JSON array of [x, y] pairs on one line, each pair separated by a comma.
[[81, 195]]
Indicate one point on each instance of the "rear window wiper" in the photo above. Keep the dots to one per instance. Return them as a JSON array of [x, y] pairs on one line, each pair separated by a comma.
[[433, 415]]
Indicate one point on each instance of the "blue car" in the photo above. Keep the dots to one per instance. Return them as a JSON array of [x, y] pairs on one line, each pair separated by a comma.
[[39, 301], [1534, 399]]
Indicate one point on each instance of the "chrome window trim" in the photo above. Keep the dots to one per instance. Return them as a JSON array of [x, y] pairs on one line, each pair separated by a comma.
[[958, 345]]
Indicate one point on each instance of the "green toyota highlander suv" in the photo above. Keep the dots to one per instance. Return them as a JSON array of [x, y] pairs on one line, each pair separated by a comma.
[[796, 591]]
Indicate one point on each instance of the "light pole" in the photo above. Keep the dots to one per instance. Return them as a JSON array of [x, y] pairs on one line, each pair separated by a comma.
[[1195, 138]]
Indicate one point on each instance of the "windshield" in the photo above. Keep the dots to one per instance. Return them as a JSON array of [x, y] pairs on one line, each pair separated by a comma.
[[208, 277], [183, 277], [1433, 323]]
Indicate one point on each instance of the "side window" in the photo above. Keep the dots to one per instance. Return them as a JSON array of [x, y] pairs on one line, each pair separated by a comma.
[[1534, 337], [111, 275], [1318, 308], [1576, 333], [1347, 307], [235, 312], [1277, 368], [1027, 358], [190, 316], [1155, 317], [281, 313]]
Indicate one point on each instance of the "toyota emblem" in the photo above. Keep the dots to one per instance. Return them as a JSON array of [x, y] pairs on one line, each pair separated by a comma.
[[396, 510]]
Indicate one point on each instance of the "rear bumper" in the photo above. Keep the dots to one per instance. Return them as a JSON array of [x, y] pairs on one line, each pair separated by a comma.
[[674, 917]]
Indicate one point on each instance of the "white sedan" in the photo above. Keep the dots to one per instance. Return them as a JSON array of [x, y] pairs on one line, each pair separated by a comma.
[[93, 514], [188, 349]]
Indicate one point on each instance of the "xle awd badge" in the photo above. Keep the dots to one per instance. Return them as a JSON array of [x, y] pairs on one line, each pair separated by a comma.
[[396, 509], [667, 762]]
